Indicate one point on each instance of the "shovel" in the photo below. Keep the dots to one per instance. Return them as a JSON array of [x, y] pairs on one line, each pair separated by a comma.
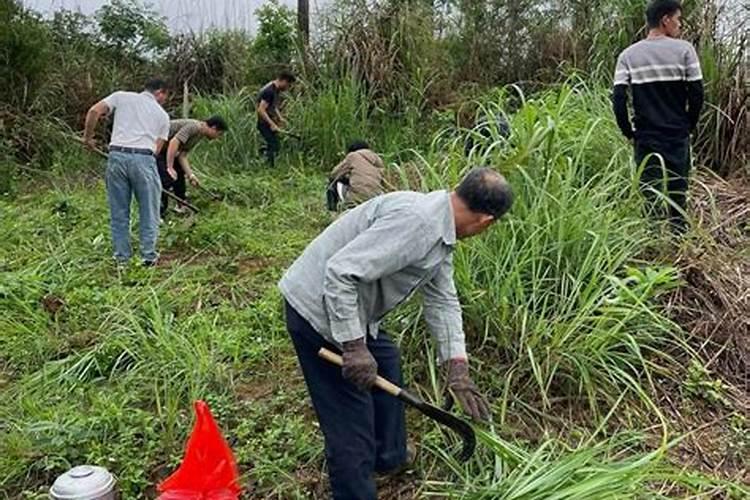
[[443, 417]]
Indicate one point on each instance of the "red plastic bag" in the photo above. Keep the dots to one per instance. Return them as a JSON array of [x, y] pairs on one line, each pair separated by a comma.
[[208, 470]]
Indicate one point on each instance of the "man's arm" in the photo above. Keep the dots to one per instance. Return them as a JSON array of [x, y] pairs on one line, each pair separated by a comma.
[[620, 108], [92, 118], [263, 113], [443, 315], [389, 245], [442, 312], [183, 159], [695, 94], [695, 102], [172, 150], [163, 134], [620, 97]]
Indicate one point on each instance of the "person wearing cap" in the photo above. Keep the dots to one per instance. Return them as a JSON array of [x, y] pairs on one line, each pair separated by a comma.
[[140, 130], [172, 161], [364, 265]]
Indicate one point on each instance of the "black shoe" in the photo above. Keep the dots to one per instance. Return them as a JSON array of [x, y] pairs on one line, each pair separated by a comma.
[[406, 466], [150, 263]]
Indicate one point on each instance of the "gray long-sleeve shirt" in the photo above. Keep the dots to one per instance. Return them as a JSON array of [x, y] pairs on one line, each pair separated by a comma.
[[372, 259]]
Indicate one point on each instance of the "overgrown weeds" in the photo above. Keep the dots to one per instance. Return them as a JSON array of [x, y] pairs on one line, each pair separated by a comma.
[[558, 296]]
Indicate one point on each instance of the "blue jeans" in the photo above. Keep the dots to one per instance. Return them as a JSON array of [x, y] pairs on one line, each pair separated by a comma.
[[365, 432], [127, 175]]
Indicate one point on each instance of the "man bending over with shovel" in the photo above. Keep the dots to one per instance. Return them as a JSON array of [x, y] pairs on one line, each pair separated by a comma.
[[337, 292], [174, 167]]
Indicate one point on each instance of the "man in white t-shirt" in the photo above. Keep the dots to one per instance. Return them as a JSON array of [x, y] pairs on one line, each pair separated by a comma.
[[139, 131]]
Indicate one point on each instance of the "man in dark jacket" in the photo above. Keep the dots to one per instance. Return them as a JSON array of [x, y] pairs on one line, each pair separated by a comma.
[[664, 76], [269, 117]]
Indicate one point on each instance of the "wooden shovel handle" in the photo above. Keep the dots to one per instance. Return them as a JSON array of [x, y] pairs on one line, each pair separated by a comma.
[[380, 382]]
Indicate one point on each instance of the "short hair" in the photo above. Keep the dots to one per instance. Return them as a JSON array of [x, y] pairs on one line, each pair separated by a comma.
[[657, 9], [287, 76], [217, 122], [486, 191], [357, 145], [156, 84]]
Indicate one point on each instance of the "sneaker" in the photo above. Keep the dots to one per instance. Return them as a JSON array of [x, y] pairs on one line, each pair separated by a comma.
[[179, 209], [150, 263]]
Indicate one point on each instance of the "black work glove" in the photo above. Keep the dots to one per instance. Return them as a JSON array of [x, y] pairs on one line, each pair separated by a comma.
[[462, 387], [359, 366]]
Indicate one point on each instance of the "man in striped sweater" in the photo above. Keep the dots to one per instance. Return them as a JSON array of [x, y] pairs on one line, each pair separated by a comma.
[[664, 76]]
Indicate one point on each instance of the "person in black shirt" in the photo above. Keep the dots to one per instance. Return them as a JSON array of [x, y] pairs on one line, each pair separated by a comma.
[[663, 75], [269, 118]]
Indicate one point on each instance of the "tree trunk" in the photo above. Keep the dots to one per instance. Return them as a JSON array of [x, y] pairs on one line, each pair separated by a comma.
[[303, 29], [303, 21]]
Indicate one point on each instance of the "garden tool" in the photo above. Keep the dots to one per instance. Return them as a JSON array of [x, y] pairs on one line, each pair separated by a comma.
[[441, 416], [211, 194]]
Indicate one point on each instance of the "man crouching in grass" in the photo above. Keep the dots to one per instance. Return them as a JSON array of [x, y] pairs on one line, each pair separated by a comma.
[[337, 292], [172, 161]]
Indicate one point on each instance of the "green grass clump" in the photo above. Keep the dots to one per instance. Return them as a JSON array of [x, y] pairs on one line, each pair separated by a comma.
[[559, 299]]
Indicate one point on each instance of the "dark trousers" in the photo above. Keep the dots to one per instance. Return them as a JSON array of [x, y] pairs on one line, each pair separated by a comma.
[[272, 145], [670, 179], [177, 186], [365, 432]]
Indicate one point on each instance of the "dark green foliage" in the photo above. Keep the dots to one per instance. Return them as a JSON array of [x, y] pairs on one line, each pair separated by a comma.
[[211, 62], [275, 46], [129, 26], [25, 53]]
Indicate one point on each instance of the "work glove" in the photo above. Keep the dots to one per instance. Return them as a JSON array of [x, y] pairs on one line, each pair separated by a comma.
[[462, 388], [359, 366]]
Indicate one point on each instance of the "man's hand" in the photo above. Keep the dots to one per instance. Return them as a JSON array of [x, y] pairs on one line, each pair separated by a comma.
[[275, 128], [462, 387], [194, 180], [90, 143], [172, 172], [359, 366]]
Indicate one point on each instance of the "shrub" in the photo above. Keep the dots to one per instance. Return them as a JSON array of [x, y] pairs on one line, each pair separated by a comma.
[[25, 52]]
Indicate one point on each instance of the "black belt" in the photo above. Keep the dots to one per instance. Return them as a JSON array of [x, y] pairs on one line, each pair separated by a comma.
[[135, 151]]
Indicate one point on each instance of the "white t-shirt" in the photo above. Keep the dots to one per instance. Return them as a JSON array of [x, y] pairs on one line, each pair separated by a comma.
[[139, 120]]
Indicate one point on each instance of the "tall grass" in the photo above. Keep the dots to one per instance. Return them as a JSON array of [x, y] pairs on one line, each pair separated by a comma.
[[327, 114], [557, 300], [616, 467]]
